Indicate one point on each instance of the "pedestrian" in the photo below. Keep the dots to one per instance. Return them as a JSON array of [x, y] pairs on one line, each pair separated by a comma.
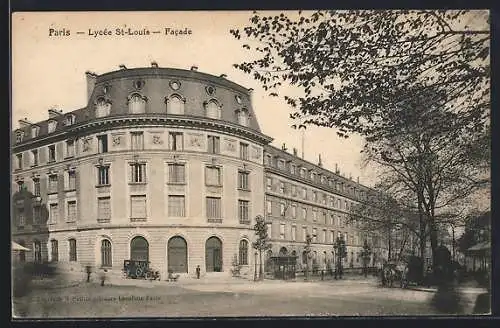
[[198, 272]]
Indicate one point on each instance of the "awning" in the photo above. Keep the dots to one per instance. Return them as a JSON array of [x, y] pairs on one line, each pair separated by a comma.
[[484, 246], [17, 247]]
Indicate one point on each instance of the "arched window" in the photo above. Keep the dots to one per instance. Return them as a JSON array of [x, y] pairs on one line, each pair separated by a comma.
[[54, 250], [243, 116], [283, 251], [213, 109], [213, 255], [72, 250], [106, 257], [139, 249], [136, 104], [102, 107], [294, 253], [175, 105], [177, 255], [243, 258]]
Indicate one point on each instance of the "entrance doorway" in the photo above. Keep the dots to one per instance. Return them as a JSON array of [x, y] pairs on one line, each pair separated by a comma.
[[213, 255], [177, 255]]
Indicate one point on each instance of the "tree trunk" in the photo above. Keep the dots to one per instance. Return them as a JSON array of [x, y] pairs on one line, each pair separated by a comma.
[[261, 274], [433, 238]]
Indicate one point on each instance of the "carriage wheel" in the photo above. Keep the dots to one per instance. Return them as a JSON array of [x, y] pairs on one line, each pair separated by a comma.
[[139, 272]]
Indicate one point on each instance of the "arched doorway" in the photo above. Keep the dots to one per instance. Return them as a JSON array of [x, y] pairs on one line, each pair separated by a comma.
[[177, 255], [139, 249], [213, 255]]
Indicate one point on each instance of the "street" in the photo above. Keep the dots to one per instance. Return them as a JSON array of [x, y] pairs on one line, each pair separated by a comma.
[[193, 298]]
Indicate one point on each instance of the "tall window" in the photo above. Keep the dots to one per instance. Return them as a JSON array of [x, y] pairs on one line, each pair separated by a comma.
[[332, 236], [53, 213], [304, 233], [176, 173], [269, 207], [22, 255], [52, 126], [103, 175], [294, 211], [72, 250], [34, 131], [34, 157], [103, 107], [175, 141], [269, 160], [304, 213], [138, 207], [21, 218], [282, 187], [269, 183], [70, 148], [138, 173], [314, 235], [294, 190], [304, 193], [243, 117], [54, 250], [214, 207], [315, 196], [37, 214], [213, 176], [19, 161], [103, 209], [176, 205], [243, 211], [37, 245], [213, 145], [137, 140], [315, 215], [294, 233], [71, 180], [281, 164], [213, 109], [139, 249], [72, 211], [243, 180], [106, 259], [282, 209], [282, 231], [102, 143], [175, 105], [136, 104], [243, 151], [70, 119], [53, 183], [52, 153], [243, 250]]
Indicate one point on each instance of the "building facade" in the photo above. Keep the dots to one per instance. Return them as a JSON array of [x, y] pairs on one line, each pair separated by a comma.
[[169, 166]]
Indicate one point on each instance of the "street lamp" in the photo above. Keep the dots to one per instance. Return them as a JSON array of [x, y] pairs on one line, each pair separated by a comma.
[[255, 263]]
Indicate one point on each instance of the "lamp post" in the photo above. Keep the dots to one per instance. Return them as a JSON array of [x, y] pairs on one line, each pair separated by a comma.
[[255, 264], [335, 265]]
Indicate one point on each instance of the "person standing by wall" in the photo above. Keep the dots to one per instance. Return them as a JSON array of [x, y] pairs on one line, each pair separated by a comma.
[[198, 272]]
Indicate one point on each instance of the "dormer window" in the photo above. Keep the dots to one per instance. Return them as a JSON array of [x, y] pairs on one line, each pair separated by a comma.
[[102, 107], [19, 136], [213, 109], [175, 104], [243, 116], [52, 125], [70, 120], [136, 104], [35, 130]]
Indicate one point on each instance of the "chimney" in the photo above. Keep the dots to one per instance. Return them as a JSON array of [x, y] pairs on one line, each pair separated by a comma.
[[250, 90], [350, 176], [357, 179], [194, 68], [294, 151], [283, 147], [53, 113], [154, 64], [24, 123], [91, 78], [122, 66], [223, 76], [319, 160], [336, 168]]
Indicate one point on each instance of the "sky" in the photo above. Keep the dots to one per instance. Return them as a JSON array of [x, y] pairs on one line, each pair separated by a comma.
[[49, 70]]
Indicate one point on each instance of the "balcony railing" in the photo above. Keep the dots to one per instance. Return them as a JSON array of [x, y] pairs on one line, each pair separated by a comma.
[[214, 220]]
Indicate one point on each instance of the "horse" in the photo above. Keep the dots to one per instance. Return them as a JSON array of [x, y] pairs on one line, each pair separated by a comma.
[[392, 273]]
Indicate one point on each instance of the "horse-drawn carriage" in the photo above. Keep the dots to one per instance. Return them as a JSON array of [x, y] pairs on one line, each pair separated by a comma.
[[139, 270]]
